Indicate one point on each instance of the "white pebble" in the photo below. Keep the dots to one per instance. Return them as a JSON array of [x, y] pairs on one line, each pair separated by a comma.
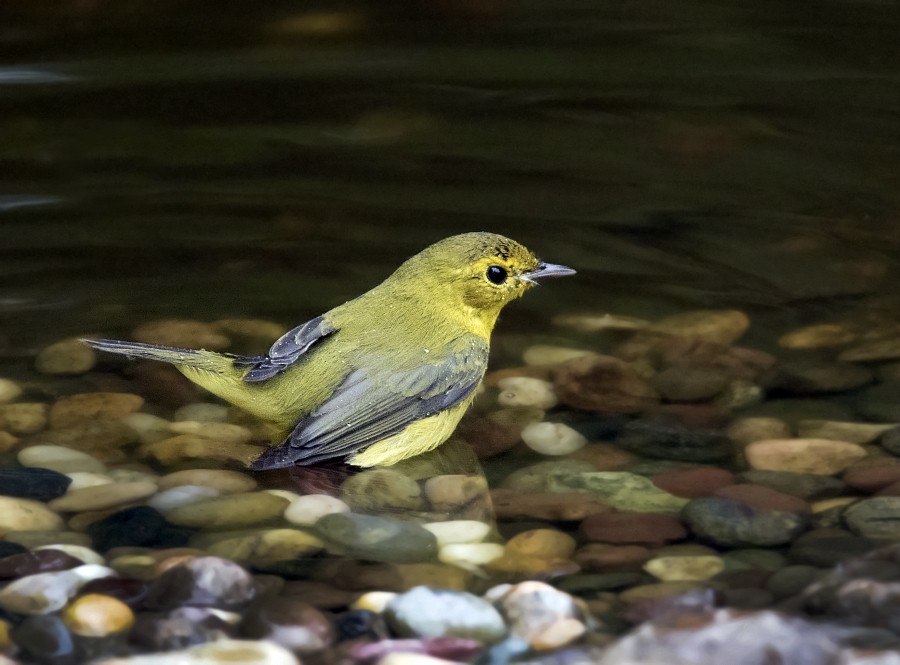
[[526, 391], [9, 390], [233, 652], [60, 459], [82, 479], [86, 554], [552, 438], [181, 496], [203, 412], [306, 510], [458, 531], [470, 556], [148, 427]]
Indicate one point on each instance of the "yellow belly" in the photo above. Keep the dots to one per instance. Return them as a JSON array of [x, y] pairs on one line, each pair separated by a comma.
[[419, 437]]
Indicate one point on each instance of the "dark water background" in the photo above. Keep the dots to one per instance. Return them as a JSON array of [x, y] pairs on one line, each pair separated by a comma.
[[209, 159]]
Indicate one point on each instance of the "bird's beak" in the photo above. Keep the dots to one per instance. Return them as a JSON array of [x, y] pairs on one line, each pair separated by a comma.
[[547, 270]]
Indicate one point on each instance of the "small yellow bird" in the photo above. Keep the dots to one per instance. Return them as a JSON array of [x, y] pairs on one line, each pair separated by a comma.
[[383, 377]]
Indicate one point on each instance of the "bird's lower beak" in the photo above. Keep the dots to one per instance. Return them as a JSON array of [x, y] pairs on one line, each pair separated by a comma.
[[548, 270]]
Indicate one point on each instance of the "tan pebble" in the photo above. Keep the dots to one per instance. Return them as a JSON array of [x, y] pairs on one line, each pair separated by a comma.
[[96, 615], [182, 333], [842, 431], [550, 355], [204, 412], [138, 566], [9, 391], [819, 336], [828, 504], [544, 543], [82, 479], [401, 658], [6, 643], [148, 427], [224, 432], [452, 491], [188, 446], [34, 539], [229, 511], [684, 568], [268, 546], [99, 497], [557, 634], [24, 417], [26, 515], [598, 322], [819, 456], [227, 482], [887, 348], [747, 430], [718, 326], [81, 521], [531, 565], [266, 331], [525, 391], [8, 441], [381, 489], [68, 356], [86, 407], [657, 591]]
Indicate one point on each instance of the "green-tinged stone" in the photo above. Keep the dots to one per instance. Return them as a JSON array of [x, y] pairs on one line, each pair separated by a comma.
[[377, 538], [730, 523], [621, 490], [379, 490], [877, 518]]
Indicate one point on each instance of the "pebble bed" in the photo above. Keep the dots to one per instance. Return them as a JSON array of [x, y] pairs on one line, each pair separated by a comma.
[[656, 493]]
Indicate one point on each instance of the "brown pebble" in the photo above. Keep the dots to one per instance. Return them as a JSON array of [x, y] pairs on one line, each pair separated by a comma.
[[604, 456], [632, 528], [872, 478], [607, 384], [605, 558], [821, 456], [747, 430], [86, 407], [96, 615], [763, 498], [693, 483], [553, 506], [544, 543], [182, 333]]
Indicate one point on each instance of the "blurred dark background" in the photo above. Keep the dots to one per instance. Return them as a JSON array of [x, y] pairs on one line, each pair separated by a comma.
[[205, 159]]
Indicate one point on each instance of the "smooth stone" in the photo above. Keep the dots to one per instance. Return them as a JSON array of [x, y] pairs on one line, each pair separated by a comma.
[[632, 529], [470, 556], [183, 333], [717, 326], [601, 557], [621, 490], [738, 395], [44, 593], [553, 506], [138, 526], [684, 568], [552, 438], [754, 559], [689, 384], [694, 482], [880, 402], [761, 498], [306, 510], [604, 456], [526, 391], [257, 334], [186, 447], [538, 613], [229, 511], [536, 477], [747, 430], [18, 514], [96, 615], [871, 478], [267, 547], [377, 538], [182, 495], [877, 518], [38, 561], [657, 591], [33, 483], [373, 601], [202, 412], [173, 630], [103, 496], [794, 410], [202, 581], [82, 408], [80, 552], [543, 354], [829, 551], [842, 431], [808, 486], [542, 543], [224, 432], [219, 652], [813, 377], [890, 441], [427, 612], [886, 348], [819, 456], [103, 439], [227, 482], [289, 622], [607, 384], [59, 459], [45, 639], [594, 583], [454, 491], [597, 322], [9, 391], [818, 336], [68, 356], [792, 580], [671, 442], [34, 539], [8, 441], [8, 548], [382, 490], [147, 427], [24, 417], [82, 479], [458, 531], [731, 523]]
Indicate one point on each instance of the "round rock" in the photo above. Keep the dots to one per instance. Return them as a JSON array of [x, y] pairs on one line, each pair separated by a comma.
[[68, 356], [377, 538], [427, 612], [731, 523], [819, 456], [230, 511]]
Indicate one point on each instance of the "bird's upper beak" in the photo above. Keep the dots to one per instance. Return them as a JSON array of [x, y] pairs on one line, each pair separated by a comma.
[[547, 270]]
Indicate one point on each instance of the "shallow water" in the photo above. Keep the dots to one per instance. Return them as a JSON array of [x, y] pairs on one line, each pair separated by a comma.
[[168, 160]]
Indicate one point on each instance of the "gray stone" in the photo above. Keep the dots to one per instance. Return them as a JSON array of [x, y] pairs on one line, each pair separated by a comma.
[[426, 612], [672, 442], [878, 517], [377, 538], [621, 490], [730, 523], [809, 486]]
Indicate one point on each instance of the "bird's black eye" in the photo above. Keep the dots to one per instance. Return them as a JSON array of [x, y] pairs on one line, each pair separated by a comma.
[[496, 275]]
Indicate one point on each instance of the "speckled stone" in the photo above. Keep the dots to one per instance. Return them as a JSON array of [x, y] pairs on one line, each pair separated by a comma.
[[878, 517], [603, 383], [454, 491], [290, 622], [378, 490], [632, 529], [202, 581], [24, 417], [621, 490], [672, 442], [426, 612], [731, 523]]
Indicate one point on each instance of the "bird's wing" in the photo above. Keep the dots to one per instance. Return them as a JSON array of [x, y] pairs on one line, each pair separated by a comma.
[[371, 405], [286, 350]]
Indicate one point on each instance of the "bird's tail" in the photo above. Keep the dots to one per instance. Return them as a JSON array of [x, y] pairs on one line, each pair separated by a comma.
[[197, 359]]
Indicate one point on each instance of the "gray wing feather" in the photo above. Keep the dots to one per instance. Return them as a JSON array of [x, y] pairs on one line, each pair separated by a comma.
[[286, 350], [371, 406]]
